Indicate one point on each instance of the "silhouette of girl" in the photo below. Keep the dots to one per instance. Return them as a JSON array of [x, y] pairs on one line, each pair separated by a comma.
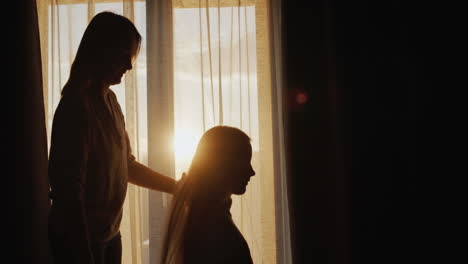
[[200, 228], [91, 162]]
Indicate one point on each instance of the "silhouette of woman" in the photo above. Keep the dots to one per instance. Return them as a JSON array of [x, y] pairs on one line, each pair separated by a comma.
[[91, 162], [200, 228]]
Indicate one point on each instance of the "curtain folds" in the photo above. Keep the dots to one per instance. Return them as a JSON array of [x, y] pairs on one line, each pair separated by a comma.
[[160, 109], [28, 224]]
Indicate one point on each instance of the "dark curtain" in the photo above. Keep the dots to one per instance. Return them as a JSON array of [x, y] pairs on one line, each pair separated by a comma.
[[30, 186], [315, 158], [362, 149]]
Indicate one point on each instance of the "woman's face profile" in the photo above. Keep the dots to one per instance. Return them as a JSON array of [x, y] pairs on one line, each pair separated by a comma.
[[119, 61]]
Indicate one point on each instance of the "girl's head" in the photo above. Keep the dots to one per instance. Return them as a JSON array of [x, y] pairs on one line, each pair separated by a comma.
[[107, 50], [222, 161], [220, 167]]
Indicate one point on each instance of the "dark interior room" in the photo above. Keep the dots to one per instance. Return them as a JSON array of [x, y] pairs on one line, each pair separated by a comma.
[[360, 127]]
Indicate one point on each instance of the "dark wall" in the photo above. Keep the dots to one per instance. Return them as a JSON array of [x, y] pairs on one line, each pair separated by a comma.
[[363, 148], [384, 62]]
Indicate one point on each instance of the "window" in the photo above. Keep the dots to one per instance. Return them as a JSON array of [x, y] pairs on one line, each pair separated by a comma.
[[221, 75]]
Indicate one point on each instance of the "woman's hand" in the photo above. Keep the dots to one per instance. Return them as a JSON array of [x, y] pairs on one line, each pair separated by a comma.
[[179, 182]]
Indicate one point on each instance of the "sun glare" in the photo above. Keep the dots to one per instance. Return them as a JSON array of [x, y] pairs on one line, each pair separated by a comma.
[[184, 144]]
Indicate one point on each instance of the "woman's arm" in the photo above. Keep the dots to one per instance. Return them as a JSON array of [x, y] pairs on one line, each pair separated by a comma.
[[143, 176]]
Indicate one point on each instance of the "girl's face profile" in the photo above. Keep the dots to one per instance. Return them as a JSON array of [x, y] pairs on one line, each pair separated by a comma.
[[239, 171]]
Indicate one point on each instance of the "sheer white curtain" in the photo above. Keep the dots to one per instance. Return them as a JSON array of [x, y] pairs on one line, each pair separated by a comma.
[[213, 63], [62, 24]]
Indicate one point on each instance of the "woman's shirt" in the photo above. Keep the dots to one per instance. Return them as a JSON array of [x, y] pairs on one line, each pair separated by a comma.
[[88, 165], [213, 238]]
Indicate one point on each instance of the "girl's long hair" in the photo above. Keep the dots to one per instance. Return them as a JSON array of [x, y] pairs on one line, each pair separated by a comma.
[[105, 32], [216, 146]]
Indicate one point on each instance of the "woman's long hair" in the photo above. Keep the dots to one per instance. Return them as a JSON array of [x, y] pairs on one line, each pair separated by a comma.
[[105, 32], [216, 147]]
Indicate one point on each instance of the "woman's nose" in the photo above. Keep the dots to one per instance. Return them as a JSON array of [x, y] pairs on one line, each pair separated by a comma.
[[129, 65]]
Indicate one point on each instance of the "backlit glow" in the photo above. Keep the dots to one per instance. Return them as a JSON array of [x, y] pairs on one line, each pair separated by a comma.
[[185, 144]]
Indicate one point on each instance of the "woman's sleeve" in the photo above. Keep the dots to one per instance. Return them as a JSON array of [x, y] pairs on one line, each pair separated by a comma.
[[67, 172], [130, 157], [115, 104]]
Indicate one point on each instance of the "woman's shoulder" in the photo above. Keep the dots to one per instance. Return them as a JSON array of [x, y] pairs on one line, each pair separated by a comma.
[[72, 106], [73, 101]]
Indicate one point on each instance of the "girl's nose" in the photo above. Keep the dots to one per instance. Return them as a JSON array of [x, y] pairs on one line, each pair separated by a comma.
[[252, 172]]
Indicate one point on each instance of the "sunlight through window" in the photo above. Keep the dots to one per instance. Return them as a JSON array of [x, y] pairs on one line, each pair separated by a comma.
[[185, 144]]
